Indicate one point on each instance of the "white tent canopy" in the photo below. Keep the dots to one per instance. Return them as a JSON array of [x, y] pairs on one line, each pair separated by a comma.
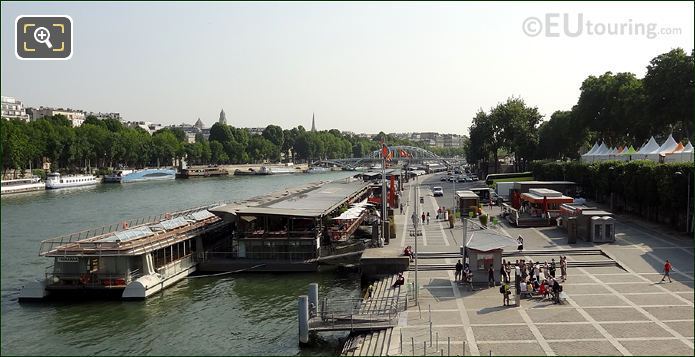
[[685, 155], [667, 147], [586, 157]]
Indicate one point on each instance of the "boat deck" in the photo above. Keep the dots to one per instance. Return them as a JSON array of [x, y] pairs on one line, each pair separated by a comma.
[[121, 239]]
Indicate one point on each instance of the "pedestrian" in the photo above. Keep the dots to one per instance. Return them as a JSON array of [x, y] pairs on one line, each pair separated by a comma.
[[439, 213], [520, 242], [556, 291], [423, 217], [503, 273], [459, 269], [508, 271], [491, 276], [552, 267], [667, 271], [563, 268], [370, 290], [428, 218], [506, 291], [401, 208]]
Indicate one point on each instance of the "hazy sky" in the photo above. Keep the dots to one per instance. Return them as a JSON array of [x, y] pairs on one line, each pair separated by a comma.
[[364, 67]]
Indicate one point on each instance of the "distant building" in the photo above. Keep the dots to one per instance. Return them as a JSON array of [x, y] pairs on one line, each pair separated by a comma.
[[102, 116], [13, 108], [76, 117], [199, 124], [223, 117], [255, 131], [145, 125], [313, 123]]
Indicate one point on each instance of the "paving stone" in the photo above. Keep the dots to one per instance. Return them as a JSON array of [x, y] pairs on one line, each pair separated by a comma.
[[684, 328], [654, 299], [671, 312], [598, 300], [511, 349], [615, 314], [502, 333], [658, 348], [619, 278], [555, 315], [688, 296], [438, 318], [585, 289], [678, 285], [602, 270], [577, 278], [563, 332], [584, 348], [627, 330], [488, 316]]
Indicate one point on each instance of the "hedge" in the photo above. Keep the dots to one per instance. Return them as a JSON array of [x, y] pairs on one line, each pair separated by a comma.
[[646, 188]]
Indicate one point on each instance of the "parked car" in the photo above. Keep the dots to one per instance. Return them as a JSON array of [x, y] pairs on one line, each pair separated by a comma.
[[462, 178], [474, 177], [443, 178], [437, 191]]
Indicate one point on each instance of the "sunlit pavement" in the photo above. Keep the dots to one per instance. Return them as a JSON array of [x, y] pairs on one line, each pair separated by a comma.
[[609, 311]]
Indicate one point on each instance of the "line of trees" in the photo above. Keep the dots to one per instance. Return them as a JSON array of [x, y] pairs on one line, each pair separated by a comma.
[[108, 143], [620, 109]]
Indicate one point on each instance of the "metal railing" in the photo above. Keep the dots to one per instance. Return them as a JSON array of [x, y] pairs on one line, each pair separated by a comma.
[[52, 243], [273, 256], [92, 280], [353, 313], [176, 266]]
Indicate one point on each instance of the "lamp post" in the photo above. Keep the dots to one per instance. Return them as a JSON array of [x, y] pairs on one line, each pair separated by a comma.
[[610, 184], [415, 219], [687, 208]]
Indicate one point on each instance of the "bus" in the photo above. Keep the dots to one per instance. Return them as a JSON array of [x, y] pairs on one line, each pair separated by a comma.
[[492, 179]]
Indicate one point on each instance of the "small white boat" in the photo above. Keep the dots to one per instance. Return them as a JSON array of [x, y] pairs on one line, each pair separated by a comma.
[[275, 170], [54, 181], [22, 185], [317, 170]]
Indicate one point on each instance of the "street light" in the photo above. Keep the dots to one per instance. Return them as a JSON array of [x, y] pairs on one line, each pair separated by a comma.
[[687, 208]]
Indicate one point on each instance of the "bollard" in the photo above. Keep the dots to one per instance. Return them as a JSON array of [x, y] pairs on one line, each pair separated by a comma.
[[429, 307], [401, 342], [437, 339], [412, 344], [420, 311], [303, 316], [448, 346], [464, 348], [313, 298], [424, 348], [430, 333], [490, 354], [441, 352]]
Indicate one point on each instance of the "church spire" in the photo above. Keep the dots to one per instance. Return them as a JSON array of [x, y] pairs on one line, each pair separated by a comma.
[[223, 117], [313, 123]]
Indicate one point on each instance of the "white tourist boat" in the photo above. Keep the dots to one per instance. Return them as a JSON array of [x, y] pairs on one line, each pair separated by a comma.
[[123, 261], [55, 180], [23, 185], [276, 170]]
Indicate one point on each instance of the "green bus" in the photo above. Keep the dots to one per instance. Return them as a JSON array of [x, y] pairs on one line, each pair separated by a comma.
[[492, 179]]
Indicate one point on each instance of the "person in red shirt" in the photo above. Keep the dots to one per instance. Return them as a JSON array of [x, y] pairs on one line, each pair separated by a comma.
[[667, 271]]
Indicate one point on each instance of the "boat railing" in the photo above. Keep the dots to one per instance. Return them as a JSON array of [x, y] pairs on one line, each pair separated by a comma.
[[293, 257], [91, 279], [53, 243], [176, 266]]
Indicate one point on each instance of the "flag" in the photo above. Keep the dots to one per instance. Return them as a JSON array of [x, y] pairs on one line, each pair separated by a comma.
[[384, 150], [389, 156]]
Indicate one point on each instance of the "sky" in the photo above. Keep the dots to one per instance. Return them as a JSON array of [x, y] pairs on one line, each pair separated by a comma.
[[361, 67]]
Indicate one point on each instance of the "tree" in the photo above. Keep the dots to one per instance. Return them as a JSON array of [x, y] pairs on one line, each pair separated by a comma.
[[217, 153], [220, 133], [670, 91], [274, 134]]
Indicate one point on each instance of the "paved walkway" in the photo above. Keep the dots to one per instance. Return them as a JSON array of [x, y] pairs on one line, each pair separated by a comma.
[[609, 311]]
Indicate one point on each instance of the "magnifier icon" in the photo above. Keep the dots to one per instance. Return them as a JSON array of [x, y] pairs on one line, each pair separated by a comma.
[[42, 35]]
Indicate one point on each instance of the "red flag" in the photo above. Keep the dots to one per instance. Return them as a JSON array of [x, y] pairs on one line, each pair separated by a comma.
[[384, 150], [389, 156]]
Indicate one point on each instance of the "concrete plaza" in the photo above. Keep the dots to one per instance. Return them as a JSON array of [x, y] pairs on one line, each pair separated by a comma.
[[609, 311]]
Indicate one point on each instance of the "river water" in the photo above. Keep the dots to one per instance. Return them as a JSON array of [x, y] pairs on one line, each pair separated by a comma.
[[244, 314]]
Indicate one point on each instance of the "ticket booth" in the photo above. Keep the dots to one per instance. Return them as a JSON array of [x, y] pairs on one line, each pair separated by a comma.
[[484, 249]]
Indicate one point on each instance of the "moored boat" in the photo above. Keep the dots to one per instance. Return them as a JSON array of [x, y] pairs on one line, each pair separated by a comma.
[[209, 171], [276, 170], [55, 180], [149, 175], [250, 172], [126, 262], [33, 183], [317, 170], [116, 176]]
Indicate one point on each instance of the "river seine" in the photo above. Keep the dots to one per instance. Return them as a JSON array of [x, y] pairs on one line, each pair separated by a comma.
[[243, 314]]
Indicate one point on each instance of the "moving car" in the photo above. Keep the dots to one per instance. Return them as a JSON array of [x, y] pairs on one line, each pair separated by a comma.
[[437, 191]]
